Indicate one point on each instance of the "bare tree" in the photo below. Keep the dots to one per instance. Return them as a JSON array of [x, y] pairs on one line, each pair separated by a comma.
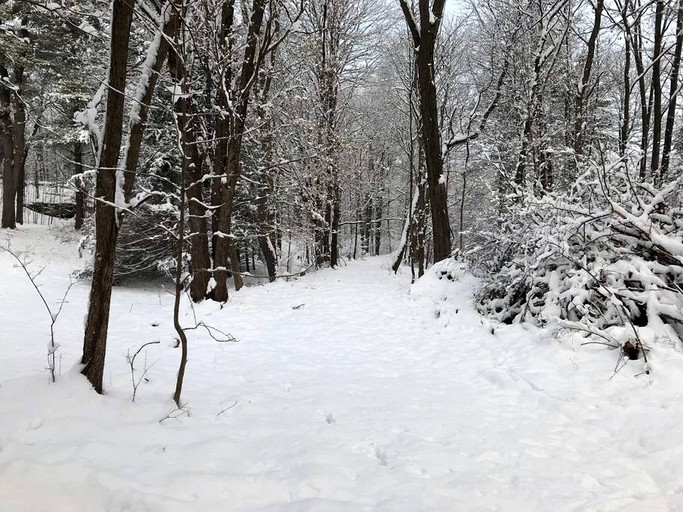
[[582, 89], [8, 179], [234, 97], [106, 227], [424, 37], [19, 140], [191, 171], [673, 97]]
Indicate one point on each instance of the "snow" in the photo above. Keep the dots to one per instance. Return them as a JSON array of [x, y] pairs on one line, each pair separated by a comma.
[[88, 28], [136, 105], [349, 390], [87, 118]]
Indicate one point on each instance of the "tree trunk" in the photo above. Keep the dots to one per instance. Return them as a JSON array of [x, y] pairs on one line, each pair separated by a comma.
[[431, 133], [80, 196], [19, 140], [673, 96], [319, 225], [8, 183], [407, 236], [635, 33], [230, 166], [266, 218], [330, 21], [222, 233], [656, 90], [334, 228], [357, 224], [235, 265], [378, 225], [424, 42], [154, 61], [265, 209], [626, 108], [182, 336], [192, 179], [366, 233], [418, 229], [582, 89], [106, 230]]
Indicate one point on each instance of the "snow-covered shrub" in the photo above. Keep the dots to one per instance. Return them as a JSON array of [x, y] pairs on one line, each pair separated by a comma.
[[606, 257]]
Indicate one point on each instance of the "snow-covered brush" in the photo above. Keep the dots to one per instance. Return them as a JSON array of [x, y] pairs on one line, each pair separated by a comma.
[[52, 346], [607, 257]]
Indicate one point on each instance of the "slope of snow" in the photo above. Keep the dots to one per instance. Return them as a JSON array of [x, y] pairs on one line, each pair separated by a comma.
[[349, 390]]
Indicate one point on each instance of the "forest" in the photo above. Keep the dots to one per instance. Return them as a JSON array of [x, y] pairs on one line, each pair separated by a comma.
[[517, 164]]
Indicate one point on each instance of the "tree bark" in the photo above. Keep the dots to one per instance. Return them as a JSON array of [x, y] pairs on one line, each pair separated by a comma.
[[265, 210], [334, 225], [80, 196], [8, 182], [265, 215], [673, 96], [626, 108], [221, 134], [106, 230], [230, 166], [635, 34], [140, 108], [192, 179], [419, 227], [656, 90], [534, 113], [182, 336], [19, 140], [582, 88], [331, 20], [424, 42]]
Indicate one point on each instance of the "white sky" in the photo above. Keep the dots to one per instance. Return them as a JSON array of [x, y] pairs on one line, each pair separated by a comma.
[[453, 6]]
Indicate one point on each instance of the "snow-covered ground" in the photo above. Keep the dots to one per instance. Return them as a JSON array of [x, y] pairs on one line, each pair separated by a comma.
[[347, 391]]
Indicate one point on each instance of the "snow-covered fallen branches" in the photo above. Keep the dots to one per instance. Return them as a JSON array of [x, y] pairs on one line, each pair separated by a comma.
[[607, 257]]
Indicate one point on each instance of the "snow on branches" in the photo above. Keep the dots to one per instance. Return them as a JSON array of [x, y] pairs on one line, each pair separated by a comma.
[[604, 258]]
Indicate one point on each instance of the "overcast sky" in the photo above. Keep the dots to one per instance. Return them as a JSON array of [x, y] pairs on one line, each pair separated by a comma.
[[453, 6]]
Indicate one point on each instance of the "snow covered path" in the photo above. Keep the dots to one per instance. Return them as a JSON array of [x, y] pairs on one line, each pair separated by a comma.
[[348, 391]]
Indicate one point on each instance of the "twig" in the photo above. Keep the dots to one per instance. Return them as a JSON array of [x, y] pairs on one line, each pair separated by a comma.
[[52, 348], [223, 409], [599, 343], [227, 337], [174, 414], [131, 362]]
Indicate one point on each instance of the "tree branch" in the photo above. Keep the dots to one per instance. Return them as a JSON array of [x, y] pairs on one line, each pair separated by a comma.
[[410, 21]]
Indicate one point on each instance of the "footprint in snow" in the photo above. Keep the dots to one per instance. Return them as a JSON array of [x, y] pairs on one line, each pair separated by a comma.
[[381, 456], [36, 424], [538, 453], [490, 456]]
